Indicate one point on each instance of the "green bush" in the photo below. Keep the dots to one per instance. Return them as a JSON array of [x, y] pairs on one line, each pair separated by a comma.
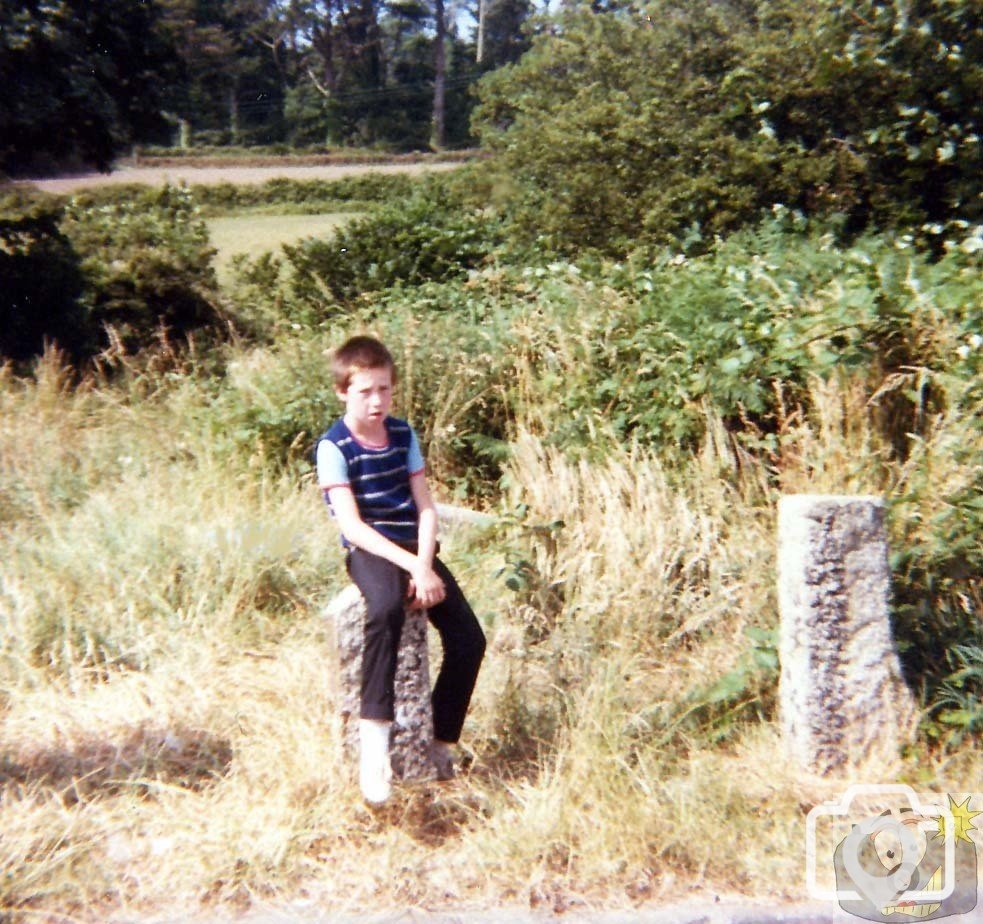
[[419, 239], [312, 194], [644, 348], [40, 298], [617, 129], [938, 565], [650, 352], [147, 266], [307, 195]]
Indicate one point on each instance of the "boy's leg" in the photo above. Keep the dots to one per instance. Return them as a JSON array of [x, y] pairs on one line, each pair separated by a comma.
[[383, 587], [464, 647]]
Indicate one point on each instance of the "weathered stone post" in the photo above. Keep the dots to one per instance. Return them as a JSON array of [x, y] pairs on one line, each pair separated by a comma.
[[412, 730], [842, 697]]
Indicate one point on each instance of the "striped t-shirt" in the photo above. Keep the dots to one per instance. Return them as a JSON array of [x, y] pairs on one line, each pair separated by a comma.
[[379, 476]]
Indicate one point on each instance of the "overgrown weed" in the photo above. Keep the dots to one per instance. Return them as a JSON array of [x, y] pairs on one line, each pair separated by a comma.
[[167, 728]]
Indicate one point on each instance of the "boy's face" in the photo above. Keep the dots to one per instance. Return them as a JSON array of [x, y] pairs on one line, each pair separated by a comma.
[[369, 397]]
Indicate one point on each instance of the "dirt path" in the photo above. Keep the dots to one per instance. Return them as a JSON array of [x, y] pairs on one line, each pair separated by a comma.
[[157, 176]]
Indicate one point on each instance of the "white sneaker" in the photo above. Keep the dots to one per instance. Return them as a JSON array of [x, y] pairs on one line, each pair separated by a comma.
[[374, 770]]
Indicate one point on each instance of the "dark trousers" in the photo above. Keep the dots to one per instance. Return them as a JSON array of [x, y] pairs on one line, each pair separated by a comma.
[[384, 585]]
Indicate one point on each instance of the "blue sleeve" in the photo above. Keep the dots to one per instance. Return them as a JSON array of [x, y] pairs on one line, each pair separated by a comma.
[[332, 469], [414, 457]]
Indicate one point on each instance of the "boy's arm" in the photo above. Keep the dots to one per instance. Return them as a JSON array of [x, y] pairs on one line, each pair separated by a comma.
[[427, 587], [427, 517]]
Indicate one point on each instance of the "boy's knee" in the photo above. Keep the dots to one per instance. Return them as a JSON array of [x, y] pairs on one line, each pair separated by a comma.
[[473, 650], [464, 644]]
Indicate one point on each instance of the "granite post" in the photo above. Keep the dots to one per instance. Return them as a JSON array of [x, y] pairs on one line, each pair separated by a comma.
[[412, 729], [842, 697]]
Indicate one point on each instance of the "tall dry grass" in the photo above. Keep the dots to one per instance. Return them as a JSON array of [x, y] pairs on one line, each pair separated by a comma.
[[168, 741]]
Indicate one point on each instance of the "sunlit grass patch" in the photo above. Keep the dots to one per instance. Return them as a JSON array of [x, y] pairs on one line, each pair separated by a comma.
[[253, 234]]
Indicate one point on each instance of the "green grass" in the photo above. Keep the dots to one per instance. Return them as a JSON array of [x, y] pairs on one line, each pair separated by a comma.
[[253, 234]]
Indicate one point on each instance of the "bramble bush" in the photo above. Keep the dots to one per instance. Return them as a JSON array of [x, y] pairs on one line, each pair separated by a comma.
[[648, 347], [147, 266], [42, 285], [136, 261]]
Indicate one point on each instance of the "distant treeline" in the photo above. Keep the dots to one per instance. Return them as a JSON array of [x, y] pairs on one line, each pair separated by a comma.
[[86, 79]]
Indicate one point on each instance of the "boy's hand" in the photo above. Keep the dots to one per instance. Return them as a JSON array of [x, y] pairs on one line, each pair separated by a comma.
[[425, 588]]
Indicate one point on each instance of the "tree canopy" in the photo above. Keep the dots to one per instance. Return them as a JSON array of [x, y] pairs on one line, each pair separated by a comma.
[[81, 80], [86, 79], [694, 115], [617, 124]]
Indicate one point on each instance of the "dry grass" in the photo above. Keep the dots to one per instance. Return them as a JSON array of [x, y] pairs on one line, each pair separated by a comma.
[[167, 734]]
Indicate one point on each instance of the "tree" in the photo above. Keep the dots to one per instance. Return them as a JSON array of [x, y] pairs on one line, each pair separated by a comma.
[[440, 76], [617, 128], [82, 80], [339, 49], [501, 36], [376, 73], [230, 81]]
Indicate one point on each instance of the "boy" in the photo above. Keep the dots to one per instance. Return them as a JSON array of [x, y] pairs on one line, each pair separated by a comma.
[[372, 475]]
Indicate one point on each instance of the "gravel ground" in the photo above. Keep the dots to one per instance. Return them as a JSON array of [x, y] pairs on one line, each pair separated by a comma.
[[708, 911]]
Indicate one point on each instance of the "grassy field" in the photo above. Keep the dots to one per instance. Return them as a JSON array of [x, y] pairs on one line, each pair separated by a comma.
[[253, 234]]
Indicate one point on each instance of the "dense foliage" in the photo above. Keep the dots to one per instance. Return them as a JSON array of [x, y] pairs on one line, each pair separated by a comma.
[[690, 120], [653, 353], [42, 282], [88, 80], [81, 80], [147, 266], [416, 240], [84, 276]]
